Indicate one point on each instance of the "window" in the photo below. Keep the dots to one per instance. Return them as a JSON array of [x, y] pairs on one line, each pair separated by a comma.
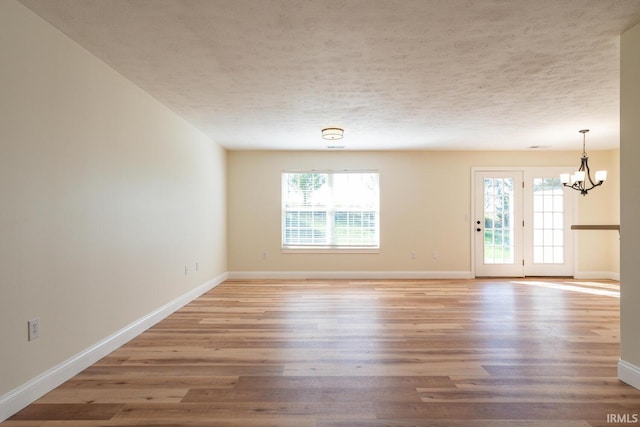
[[330, 210]]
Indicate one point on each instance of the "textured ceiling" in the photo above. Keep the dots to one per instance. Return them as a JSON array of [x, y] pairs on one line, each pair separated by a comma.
[[395, 74]]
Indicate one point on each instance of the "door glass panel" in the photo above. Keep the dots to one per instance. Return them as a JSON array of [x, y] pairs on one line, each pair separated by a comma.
[[498, 211], [548, 221]]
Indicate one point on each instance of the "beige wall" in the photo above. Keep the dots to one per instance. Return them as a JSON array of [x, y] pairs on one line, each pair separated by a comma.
[[105, 197], [425, 205], [599, 251], [630, 195]]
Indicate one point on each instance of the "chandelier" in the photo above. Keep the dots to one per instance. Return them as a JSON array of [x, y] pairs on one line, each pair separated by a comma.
[[581, 179]]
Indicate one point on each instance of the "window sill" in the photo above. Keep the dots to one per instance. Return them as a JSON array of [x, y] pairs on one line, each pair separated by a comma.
[[328, 250]]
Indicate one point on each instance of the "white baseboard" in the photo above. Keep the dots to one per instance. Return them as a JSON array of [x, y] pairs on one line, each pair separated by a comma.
[[629, 373], [248, 275], [32, 390], [597, 275]]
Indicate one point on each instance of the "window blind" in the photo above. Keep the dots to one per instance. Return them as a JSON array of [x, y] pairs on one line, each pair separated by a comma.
[[330, 209]]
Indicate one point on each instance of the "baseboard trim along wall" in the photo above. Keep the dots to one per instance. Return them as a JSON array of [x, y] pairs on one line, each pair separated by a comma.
[[32, 390], [629, 373], [300, 275], [248, 275], [597, 275]]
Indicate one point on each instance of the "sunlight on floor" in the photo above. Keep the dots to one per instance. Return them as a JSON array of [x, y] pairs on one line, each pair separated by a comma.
[[594, 288]]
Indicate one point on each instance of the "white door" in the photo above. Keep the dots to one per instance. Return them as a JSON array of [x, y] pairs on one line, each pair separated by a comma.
[[522, 223], [548, 215], [498, 223]]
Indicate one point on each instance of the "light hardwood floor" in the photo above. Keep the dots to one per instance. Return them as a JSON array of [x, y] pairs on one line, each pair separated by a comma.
[[363, 353]]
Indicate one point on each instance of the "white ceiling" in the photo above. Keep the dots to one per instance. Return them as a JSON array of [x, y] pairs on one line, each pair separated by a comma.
[[395, 74]]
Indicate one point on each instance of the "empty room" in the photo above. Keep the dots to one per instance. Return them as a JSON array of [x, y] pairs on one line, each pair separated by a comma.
[[319, 213]]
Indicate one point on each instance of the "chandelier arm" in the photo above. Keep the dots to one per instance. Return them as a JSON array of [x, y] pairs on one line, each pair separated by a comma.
[[583, 190], [581, 186], [585, 161], [588, 174]]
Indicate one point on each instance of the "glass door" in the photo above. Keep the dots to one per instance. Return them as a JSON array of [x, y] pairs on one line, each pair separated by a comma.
[[522, 223], [548, 218], [498, 224]]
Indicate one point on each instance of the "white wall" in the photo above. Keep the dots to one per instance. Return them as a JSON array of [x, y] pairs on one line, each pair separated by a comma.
[[105, 196], [629, 369], [425, 198]]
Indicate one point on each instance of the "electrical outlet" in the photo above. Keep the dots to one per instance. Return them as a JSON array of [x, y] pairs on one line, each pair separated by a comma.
[[434, 255], [186, 269], [34, 329], [264, 255], [413, 255]]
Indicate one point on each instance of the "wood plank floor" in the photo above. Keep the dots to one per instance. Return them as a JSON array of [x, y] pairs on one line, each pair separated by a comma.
[[363, 353]]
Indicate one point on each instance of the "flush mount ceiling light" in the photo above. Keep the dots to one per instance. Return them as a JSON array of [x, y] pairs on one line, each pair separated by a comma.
[[581, 179], [332, 134]]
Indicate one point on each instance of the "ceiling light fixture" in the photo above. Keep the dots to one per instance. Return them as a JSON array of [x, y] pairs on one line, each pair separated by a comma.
[[332, 134], [581, 179]]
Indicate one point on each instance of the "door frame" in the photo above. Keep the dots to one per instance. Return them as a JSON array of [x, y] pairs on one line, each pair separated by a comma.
[[525, 170]]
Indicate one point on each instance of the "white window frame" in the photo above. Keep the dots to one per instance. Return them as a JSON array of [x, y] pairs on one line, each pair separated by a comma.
[[289, 248]]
